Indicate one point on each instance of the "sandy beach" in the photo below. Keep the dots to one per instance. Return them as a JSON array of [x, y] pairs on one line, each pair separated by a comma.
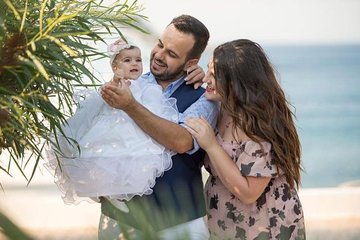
[[330, 213]]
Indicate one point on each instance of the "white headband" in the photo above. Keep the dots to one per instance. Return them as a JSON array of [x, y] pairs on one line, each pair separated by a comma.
[[114, 49]]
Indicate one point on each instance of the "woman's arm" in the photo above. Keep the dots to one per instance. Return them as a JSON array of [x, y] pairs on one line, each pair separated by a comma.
[[247, 189]]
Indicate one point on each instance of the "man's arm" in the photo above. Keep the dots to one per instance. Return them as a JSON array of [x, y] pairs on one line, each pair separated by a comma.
[[167, 133], [201, 108]]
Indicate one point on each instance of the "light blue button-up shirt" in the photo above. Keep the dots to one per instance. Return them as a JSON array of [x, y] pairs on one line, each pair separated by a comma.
[[202, 107]]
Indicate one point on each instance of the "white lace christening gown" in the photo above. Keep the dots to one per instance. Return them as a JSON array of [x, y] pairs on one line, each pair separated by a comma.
[[113, 157]]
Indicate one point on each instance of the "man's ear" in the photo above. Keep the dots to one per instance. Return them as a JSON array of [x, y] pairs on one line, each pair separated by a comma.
[[190, 62], [113, 67]]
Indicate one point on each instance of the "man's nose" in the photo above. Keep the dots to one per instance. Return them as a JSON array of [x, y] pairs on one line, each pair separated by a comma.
[[160, 54]]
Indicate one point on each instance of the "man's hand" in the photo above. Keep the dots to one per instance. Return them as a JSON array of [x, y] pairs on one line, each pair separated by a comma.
[[195, 75], [118, 95]]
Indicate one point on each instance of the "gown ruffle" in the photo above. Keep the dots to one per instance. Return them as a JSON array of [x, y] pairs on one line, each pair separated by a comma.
[[111, 156]]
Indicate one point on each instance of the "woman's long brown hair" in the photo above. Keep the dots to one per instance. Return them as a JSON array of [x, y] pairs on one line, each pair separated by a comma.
[[254, 99]]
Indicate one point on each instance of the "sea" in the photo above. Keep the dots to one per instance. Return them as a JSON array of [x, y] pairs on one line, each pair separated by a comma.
[[322, 82]]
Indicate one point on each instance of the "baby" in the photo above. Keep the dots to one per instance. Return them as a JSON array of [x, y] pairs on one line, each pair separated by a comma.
[[106, 153]]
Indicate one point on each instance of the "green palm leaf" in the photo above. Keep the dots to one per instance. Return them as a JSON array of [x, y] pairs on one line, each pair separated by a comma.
[[44, 54]]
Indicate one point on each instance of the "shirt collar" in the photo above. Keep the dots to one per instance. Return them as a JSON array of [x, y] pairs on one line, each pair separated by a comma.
[[171, 88]]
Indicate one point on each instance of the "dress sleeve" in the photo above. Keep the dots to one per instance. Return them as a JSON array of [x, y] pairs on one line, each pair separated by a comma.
[[152, 98], [255, 160]]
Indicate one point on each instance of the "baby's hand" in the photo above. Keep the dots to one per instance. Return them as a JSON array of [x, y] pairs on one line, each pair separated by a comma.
[[118, 75]]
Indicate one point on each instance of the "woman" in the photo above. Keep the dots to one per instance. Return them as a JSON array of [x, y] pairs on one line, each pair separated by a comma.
[[254, 155]]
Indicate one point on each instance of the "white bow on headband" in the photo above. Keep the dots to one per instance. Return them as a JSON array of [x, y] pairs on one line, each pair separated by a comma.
[[114, 48]]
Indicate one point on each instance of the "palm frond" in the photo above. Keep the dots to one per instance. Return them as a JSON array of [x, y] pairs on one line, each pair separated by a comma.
[[44, 54]]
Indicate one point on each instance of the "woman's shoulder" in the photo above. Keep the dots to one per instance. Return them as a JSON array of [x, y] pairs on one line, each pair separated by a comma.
[[251, 144], [256, 150], [255, 159]]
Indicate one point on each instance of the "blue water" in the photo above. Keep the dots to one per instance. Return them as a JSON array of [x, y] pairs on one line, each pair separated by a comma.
[[323, 84]]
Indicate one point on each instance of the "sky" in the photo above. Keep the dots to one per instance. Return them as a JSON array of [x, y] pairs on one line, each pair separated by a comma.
[[265, 21]]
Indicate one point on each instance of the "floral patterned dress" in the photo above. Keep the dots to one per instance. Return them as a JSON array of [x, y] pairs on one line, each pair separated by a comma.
[[277, 213]]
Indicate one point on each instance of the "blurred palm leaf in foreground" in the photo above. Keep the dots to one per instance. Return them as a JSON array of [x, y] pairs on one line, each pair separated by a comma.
[[44, 53]]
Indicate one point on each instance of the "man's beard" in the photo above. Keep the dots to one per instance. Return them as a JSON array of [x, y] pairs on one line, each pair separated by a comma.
[[169, 76]]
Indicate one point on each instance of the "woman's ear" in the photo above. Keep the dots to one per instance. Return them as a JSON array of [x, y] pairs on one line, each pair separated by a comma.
[[190, 62], [113, 67]]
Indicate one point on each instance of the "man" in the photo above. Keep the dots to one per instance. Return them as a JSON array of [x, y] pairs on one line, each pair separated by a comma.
[[177, 201]]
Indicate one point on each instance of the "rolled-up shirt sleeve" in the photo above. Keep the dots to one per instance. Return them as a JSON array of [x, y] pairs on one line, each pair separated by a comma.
[[202, 107]]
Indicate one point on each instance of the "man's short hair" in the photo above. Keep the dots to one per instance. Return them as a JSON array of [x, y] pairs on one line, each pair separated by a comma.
[[190, 25]]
